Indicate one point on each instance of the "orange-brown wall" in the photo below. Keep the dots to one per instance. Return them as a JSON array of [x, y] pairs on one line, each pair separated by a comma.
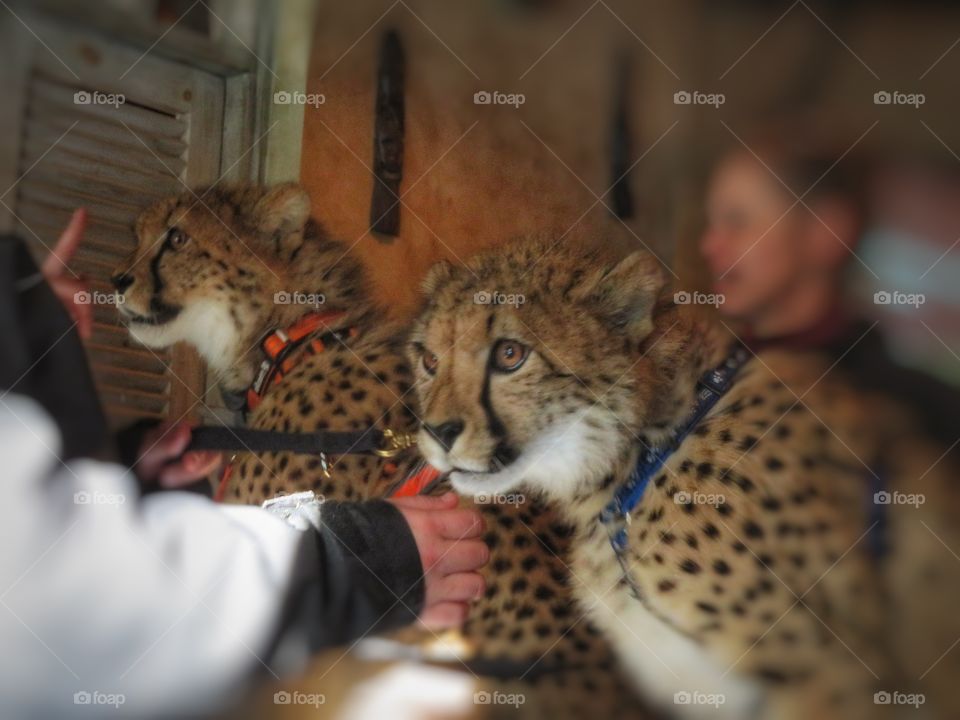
[[479, 175]]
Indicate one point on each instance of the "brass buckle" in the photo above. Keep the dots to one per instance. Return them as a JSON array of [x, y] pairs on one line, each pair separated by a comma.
[[395, 442]]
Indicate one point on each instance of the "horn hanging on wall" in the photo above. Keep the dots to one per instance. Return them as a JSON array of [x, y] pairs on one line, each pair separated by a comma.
[[388, 138]]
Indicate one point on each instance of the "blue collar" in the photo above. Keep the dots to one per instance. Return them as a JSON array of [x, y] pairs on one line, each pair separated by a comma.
[[711, 387]]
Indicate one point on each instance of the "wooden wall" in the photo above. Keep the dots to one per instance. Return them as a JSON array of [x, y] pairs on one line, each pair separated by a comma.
[[478, 175]]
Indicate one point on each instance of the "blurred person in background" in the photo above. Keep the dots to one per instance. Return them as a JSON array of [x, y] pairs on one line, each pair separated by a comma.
[[784, 226], [784, 223], [162, 605]]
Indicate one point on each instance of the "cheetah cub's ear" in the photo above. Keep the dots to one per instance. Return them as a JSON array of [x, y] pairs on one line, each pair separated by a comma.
[[436, 275], [627, 292], [283, 209]]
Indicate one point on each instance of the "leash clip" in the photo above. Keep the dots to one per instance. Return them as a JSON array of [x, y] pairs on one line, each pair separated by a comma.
[[396, 441]]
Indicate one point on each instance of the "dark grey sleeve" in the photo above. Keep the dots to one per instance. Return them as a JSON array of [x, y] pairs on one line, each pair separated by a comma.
[[360, 574], [42, 357]]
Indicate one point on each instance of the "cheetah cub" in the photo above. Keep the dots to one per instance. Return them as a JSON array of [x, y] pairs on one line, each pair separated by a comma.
[[732, 593], [220, 269]]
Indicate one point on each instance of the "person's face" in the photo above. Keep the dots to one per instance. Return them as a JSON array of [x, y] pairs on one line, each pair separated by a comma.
[[751, 247]]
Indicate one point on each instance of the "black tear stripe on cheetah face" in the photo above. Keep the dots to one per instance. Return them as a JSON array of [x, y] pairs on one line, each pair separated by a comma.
[[243, 245], [758, 589]]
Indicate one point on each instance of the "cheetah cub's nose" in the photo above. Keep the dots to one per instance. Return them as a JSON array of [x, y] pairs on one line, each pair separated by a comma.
[[445, 433], [121, 281]]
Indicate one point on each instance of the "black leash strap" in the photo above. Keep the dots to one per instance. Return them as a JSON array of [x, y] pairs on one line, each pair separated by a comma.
[[323, 442], [388, 138]]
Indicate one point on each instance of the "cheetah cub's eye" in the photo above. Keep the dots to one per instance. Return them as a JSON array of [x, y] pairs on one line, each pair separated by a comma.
[[430, 362], [509, 355], [177, 238]]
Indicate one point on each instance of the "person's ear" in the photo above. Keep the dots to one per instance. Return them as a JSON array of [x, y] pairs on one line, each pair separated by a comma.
[[438, 273], [833, 232]]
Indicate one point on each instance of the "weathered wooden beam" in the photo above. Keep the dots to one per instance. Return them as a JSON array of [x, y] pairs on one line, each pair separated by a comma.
[[388, 138]]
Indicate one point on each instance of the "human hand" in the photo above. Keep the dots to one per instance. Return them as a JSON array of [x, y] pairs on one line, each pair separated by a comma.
[[66, 286], [161, 458], [452, 552]]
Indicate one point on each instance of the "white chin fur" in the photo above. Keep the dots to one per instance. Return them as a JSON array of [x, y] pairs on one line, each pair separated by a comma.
[[205, 325], [558, 463], [152, 336]]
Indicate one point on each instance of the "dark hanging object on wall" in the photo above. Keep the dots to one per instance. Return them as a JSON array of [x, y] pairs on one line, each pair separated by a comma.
[[388, 138], [531, 4], [621, 197]]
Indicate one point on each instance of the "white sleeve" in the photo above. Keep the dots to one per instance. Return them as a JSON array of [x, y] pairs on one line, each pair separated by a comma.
[[159, 606]]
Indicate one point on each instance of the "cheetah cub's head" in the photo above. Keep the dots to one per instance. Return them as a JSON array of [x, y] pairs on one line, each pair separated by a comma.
[[528, 366], [207, 264]]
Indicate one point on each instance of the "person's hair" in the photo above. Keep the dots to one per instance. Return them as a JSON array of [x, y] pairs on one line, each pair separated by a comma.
[[812, 166]]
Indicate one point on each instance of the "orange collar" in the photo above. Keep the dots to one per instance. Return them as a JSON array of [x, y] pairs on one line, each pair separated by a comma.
[[280, 347], [416, 483]]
